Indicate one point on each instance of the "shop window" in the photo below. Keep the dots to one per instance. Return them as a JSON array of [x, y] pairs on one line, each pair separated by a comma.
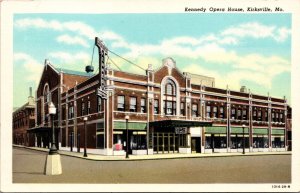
[[260, 141], [139, 140], [194, 110], [143, 105], [99, 103], [208, 109], [244, 114], [182, 112], [215, 112], [132, 104], [239, 114], [208, 141], [232, 113], [82, 108], [121, 103], [88, 107], [156, 106], [219, 141], [221, 112], [277, 141], [237, 141]]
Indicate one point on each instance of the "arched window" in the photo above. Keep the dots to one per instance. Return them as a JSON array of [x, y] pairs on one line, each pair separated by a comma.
[[170, 88], [46, 94], [170, 102]]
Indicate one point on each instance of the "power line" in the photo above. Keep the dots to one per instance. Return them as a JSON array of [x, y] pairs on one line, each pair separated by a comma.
[[115, 64], [126, 59]]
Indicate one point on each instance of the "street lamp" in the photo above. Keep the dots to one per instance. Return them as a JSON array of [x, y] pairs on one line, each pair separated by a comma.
[[127, 144], [243, 139], [53, 163], [85, 136], [52, 112]]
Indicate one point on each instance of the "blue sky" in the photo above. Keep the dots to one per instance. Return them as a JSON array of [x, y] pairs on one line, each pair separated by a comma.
[[237, 49]]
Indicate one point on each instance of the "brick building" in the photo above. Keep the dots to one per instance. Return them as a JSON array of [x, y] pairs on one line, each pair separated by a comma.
[[169, 112], [23, 119]]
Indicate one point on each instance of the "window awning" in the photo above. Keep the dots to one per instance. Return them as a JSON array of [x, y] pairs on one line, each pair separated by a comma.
[[217, 129], [179, 123], [260, 131], [131, 125], [239, 130], [277, 131], [40, 129]]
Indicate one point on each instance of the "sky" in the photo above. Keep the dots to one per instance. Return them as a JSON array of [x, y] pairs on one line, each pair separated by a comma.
[[253, 50]]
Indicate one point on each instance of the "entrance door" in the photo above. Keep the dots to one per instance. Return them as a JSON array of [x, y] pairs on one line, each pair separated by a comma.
[[196, 144]]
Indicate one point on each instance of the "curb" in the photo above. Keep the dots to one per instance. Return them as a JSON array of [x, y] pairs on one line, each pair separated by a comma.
[[160, 158]]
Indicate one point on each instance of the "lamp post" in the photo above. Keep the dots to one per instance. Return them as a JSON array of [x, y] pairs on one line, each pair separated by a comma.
[[127, 144], [53, 163], [243, 139], [85, 136], [52, 112]]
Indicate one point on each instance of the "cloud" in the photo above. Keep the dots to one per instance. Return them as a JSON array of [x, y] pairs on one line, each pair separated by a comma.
[[72, 40], [257, 30], [32, 67], [70, 58]]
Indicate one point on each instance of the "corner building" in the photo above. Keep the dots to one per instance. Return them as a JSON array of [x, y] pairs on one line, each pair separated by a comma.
[[168, 112]]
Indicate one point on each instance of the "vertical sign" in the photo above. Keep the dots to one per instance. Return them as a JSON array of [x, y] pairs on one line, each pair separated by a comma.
[[101, 91]]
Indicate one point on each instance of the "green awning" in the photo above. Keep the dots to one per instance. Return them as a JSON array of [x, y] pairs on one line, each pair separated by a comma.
[[215, 129], [131, 125], [260, 131], [239, 130], [277, 131]]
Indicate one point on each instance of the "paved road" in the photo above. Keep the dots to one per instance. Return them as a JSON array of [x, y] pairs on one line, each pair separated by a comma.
[[28, 167]]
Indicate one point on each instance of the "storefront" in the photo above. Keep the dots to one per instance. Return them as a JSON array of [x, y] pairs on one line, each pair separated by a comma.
[[215, 139], [278, 139], [237, 135], [260, 139]]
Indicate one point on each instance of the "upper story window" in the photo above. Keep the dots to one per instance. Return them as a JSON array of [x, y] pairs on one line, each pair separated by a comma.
[[143, 105], [121, 103], [215, 112], [82, 108], [194, 110], [208, 109], [233, 113], [266, 115], [46, 94], [132, 104], [259, 115], [281, 117], [71, 112], [244, 114], [156, 106], [170, 88], [182, 109], [88, 107], [99, 102], [273, 117], [277, 117], [239, 114], [255, 115], [221, 112]]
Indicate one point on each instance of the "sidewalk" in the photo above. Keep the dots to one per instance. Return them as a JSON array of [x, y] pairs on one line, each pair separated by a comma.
[[97, 157]]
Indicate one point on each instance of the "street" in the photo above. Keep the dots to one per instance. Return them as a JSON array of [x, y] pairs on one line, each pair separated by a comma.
[[28, 167]]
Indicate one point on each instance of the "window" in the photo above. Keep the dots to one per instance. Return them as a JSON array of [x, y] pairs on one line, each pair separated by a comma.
[[255, 115], [132, 104], [156, 106], [215, 112], [266, 115], [277, 117], [82, 108], [194, 110], [170, 88], [233, 113], [239, 114], [273, 117], [99, 104], [88, 107], [169, 108], [244, 114], [208, 111], [221, 112], [281, 117], [259, 115], [71, 112], [182, 109], [121, 103], [143, 105]]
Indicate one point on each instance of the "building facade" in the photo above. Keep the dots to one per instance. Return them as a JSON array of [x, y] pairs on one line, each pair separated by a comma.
[[163, 111], [22, 120]]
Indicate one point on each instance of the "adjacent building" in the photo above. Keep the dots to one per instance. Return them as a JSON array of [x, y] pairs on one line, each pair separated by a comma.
[[23, 119], [163, 111]]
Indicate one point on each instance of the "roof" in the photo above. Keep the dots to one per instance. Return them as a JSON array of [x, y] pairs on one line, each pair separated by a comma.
[[73, 72]]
